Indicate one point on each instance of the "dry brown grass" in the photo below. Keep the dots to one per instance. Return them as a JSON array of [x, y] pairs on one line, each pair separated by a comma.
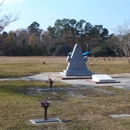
[[23, 66], [30, 59], [79, 108]]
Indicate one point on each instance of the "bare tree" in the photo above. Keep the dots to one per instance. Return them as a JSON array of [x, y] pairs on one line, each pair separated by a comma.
[[5, 20], [120, 42]]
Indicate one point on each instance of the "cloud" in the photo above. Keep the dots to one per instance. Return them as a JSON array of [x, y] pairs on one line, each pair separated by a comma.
[[11, 1]]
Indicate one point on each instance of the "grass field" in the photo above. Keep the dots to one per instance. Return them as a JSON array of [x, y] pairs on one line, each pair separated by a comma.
[[79, 108], [23, 66]]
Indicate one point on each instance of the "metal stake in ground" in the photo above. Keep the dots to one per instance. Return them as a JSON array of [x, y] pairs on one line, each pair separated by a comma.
[[51, 82], [45, 105]]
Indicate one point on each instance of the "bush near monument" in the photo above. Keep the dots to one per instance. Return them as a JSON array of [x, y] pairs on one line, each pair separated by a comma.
[[59, 49]]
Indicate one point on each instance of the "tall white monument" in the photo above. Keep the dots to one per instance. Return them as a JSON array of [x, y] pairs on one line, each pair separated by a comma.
[[77, 64]]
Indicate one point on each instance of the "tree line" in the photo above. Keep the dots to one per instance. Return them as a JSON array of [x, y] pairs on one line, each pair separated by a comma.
[[57, 40], [61, 38]]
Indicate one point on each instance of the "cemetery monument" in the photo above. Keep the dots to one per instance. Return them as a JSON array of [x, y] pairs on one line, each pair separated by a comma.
[[77, 64]]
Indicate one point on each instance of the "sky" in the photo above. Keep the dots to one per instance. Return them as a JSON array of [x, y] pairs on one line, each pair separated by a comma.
[[109, 13]]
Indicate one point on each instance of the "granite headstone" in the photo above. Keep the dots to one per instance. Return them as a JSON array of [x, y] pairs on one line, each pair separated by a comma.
[[77, 64]]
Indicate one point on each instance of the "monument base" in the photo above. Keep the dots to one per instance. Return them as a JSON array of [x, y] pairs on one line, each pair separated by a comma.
[[42, 121], [76, 73], [64, 77]]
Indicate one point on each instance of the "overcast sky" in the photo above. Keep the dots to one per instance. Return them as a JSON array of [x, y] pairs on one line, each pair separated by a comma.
[[109, 13]]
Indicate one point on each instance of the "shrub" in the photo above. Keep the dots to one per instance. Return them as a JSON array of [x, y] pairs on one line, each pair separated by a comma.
[[59, 49]]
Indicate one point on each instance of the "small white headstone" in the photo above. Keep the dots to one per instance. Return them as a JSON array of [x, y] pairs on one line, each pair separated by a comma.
[[120, 115], [102, 78], [49, 120]]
